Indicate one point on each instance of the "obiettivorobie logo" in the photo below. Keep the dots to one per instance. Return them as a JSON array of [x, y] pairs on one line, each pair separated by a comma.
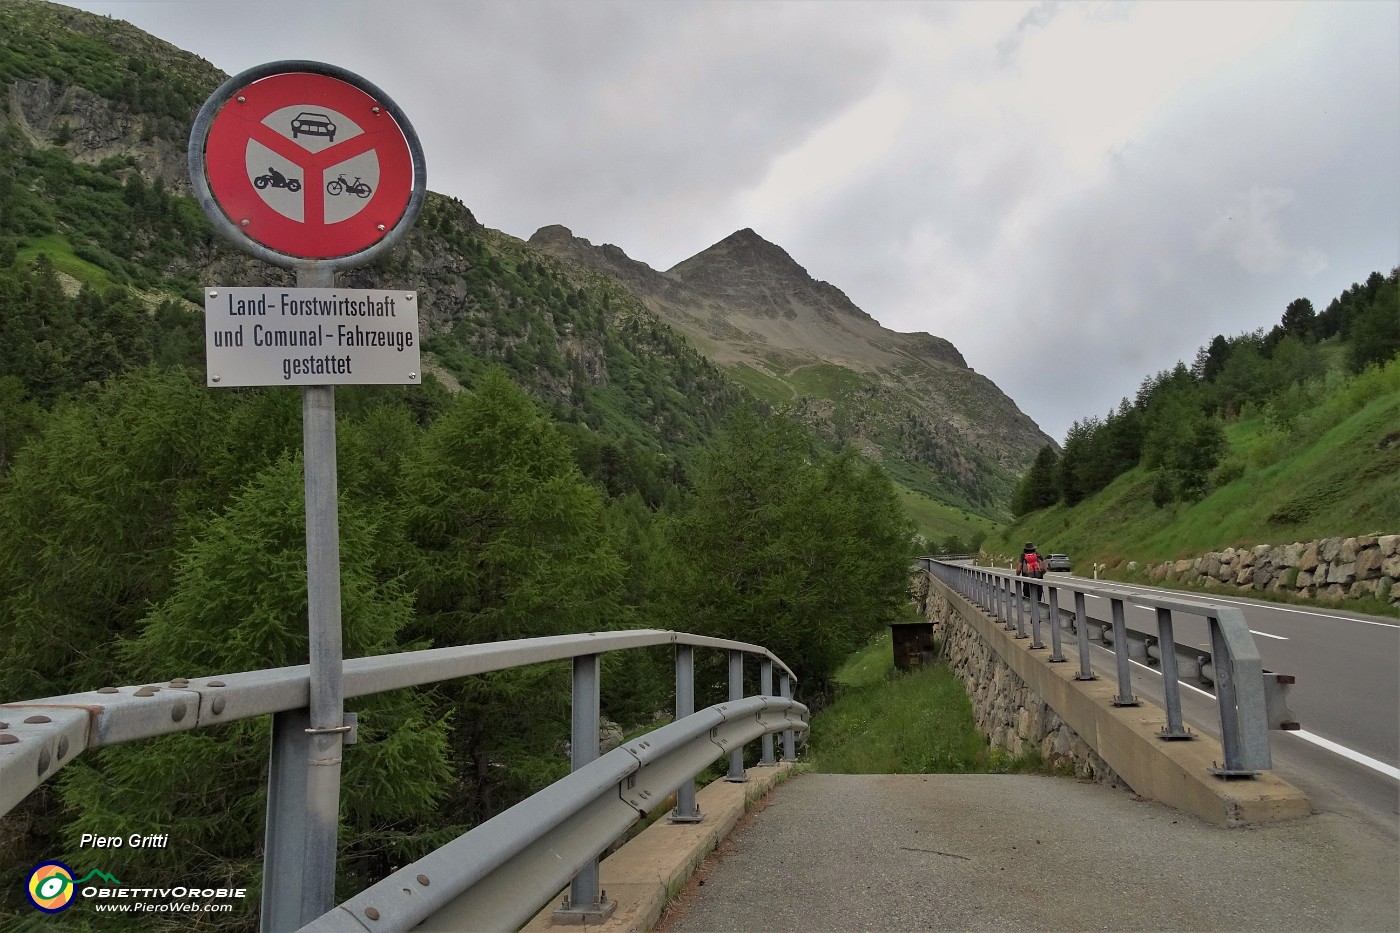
[[51, 886]]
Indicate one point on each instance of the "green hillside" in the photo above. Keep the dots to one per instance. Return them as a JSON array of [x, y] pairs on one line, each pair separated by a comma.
[[1270, 438]]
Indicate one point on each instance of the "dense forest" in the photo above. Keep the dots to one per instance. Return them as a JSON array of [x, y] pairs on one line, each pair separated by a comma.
[[153, 528], [1176, 425]]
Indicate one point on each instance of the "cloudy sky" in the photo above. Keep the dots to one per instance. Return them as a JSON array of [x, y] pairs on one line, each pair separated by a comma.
[[1075, 194]]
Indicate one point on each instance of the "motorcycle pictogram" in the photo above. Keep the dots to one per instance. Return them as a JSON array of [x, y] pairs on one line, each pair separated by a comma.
[[336, 186], [277, 180]]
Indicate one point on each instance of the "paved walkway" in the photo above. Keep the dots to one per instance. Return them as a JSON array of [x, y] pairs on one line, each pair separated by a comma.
[[1026, 852]]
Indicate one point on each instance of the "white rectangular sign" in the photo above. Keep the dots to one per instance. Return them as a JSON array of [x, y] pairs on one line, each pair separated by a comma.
[[311, 336]]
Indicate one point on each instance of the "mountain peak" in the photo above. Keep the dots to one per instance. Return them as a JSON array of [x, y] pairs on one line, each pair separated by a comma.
[[554, 233], [750, 274], [559, 240], [743, 248]]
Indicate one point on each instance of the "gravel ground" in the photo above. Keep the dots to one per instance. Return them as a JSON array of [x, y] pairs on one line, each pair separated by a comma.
[[1026, 852]]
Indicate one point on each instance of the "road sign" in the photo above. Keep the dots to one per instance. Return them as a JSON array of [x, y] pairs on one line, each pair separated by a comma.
[[310, 167], [306, 161], [310, 336]]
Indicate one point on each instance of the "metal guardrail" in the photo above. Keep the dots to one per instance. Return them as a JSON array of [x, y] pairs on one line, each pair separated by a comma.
[[475, 882], [1235, 662], [514, 862]]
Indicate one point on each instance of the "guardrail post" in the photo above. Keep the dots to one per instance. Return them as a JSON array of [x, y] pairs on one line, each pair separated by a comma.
[[1056, 647], [686, 809], [789, 745], [1166, 645], [1120, 653], [736, 693], [1036, 643], [1081, 628], [1013, 618], [765, 682], [1022, 592], [585, 903], [284, 840], [1239, 685]]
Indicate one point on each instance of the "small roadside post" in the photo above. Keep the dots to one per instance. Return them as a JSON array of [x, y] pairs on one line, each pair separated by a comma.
[[309, 167]]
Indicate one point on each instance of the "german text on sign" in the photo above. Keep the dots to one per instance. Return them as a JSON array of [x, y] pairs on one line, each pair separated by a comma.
[[311, 336]]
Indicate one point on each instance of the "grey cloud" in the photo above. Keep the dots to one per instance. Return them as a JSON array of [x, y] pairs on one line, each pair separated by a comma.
[[650, 125], [1036, 19]]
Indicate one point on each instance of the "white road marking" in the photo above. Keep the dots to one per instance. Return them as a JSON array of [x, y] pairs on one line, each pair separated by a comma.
[[1246, 602], [1148, 667], [1303, 734], [1345, 752], [1267, 635]]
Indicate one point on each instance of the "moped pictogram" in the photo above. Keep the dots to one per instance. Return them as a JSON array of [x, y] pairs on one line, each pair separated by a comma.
[[337, 185]]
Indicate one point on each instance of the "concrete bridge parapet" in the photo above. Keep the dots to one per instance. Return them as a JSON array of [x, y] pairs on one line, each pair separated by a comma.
[[1020, 701]]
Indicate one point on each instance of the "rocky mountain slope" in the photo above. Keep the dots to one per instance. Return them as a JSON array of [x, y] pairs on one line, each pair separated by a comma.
[[909, 400], [94, 118], [94, 121]]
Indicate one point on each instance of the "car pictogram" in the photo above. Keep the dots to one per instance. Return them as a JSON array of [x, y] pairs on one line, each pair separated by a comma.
[[313, 124]]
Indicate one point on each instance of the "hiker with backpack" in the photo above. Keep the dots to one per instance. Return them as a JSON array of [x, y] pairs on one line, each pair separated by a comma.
[[1031, 565]]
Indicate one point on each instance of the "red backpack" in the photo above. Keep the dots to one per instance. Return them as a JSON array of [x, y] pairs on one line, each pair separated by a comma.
[[1032, 563]]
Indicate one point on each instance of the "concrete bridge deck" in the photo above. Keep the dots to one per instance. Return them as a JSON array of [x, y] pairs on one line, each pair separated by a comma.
[[1029, 852], [836, 853]]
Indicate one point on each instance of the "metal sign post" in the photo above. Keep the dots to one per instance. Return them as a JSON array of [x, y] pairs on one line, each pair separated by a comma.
[[325, 702], [271, 157]]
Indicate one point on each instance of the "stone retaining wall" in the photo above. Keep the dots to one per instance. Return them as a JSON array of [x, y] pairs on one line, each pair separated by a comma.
[[1007, 712], [1332, 569]]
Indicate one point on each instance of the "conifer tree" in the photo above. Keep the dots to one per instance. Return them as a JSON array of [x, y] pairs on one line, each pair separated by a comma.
[[505, 539], [91, 516], [808, 559], [1040, 487], [239, 603]]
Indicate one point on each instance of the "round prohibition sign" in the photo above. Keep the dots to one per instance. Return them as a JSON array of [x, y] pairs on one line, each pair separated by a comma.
[[303, 161]]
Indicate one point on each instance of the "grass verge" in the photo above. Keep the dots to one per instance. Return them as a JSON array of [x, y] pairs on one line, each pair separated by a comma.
[[916, 722]]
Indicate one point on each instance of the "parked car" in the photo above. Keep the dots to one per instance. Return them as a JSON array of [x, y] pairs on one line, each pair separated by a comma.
[[1057, 562]]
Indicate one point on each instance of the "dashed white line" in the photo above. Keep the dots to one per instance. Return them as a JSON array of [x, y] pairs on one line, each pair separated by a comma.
[[1267, 635], [1148, 667]]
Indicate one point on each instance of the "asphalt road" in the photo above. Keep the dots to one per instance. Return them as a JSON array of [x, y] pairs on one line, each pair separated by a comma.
[[1016, 852], [860, 853]]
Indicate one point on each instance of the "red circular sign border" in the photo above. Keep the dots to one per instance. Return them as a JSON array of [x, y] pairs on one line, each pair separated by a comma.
[[240, 120]]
